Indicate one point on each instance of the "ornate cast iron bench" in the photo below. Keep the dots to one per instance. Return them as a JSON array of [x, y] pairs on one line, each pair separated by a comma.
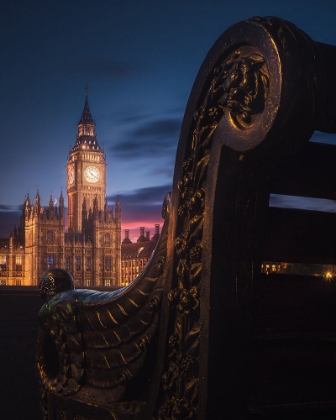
[[177, 343]]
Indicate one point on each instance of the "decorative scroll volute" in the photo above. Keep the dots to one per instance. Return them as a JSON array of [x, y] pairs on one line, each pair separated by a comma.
[[253, 95], [92, 344], [256, 99]]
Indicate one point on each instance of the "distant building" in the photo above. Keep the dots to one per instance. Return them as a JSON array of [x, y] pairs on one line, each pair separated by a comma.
[[297, 269], [134, 256], [91, 248]]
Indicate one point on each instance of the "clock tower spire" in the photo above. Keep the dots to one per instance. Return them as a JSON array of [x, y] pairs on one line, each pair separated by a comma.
[[86, 169]]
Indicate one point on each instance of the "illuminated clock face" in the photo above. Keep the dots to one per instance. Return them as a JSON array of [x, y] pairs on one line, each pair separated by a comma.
[[71, 174], [91, 174]]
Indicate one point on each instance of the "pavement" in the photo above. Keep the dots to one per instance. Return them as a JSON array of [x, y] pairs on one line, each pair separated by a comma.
[[19, 398]]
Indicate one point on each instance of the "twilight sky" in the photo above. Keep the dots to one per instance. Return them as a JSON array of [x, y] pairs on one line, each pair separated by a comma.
[[139, 59]]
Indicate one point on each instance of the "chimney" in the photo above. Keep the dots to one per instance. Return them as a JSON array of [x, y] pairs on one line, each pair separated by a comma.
[[156, 236], [147, 235], [142, 237], [126, 239]]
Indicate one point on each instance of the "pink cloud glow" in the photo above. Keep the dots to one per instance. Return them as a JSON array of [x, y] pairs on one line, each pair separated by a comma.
[[134, 228]]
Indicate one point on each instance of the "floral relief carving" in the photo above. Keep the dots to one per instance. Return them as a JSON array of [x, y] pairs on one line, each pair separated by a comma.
[[238, 88]]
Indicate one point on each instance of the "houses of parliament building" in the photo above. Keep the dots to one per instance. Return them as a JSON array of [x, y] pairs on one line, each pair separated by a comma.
[[90, 249]]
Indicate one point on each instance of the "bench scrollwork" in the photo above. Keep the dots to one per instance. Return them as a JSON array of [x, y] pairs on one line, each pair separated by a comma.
[[158, 348]]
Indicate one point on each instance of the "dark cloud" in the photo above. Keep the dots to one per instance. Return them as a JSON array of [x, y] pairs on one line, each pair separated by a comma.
[[157, 128], [131, 119], [143, 196], [139, 117], [106, 68], [9, 208], [157, 137], [164, 170], [142, 204], [136, 148]]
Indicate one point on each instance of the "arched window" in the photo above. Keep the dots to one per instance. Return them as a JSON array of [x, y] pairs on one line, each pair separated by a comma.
[[68, 263], [50, 261], [108, 263], [18, 263], [50, 236], [3, 264], [78, 263]]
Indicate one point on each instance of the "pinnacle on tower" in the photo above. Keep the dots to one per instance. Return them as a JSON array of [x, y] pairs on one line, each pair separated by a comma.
[[118, 204], [86, 136], [37, 198], [86, 117], [61, 199]]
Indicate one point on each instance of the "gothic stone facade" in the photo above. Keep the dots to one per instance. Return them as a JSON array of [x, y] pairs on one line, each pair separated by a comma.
[[91, 247], [134, 256]]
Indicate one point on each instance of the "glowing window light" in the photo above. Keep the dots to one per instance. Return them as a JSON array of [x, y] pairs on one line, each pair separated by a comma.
[[328, 276]]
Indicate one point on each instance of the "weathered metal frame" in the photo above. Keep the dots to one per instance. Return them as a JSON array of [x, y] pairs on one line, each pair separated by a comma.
[[259, 95]]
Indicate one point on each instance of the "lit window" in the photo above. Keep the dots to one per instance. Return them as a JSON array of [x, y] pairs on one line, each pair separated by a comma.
[[3, 265], [50, 261], [18, 263]]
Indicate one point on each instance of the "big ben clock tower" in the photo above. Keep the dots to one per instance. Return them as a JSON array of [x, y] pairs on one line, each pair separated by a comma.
[[86, 168], [90, 249]]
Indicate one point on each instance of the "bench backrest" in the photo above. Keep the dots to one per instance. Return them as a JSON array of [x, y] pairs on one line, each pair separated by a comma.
[[177, 343]]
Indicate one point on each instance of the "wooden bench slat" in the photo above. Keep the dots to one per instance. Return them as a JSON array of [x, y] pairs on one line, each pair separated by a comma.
[[310, 173], [300, 236]]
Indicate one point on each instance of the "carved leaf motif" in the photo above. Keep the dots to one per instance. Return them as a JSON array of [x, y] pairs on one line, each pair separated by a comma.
[[238, 88], [192, 342], [98, 340]]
